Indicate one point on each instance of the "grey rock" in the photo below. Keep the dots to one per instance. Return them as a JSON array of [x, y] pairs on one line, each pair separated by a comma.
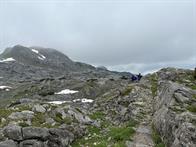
[[35, 133], [31, 143], [2, 137], [8, 143], [21, 115], [80, 117], [39, 108], [60, 138], [13, 132], [173, 125], [180, 98]]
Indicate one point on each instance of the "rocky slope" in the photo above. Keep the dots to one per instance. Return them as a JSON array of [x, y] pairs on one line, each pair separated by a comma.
[[45, 106]]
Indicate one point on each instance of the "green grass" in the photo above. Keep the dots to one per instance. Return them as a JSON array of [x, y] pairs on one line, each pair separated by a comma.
[[23, 107], [119, 134], [126, 91], [192, 108], [114, 136], [38, 119], [97, 115], [156, 138], [59, 119], [154, 84], [4, 113], [193, 87]]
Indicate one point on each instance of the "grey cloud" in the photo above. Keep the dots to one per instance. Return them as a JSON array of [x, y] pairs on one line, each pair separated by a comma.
[[114, 34]]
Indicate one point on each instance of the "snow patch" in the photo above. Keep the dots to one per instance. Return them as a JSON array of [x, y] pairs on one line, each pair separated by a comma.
[[67, 91], [35, 51], [84, 100], [40, 56], [57, 102], [6, 88], [8, 60]]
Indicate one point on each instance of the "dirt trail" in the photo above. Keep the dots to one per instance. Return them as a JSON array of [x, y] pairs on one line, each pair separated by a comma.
[[142, 137]]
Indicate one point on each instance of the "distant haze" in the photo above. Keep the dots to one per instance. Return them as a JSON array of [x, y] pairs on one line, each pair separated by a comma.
[[123, 35]]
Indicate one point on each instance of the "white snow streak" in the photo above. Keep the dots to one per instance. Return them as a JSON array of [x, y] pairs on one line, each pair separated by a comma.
[[35, 51], [67, 91], [84, 100], [40, 56], [6, 88], [8, 60], [57, 102]]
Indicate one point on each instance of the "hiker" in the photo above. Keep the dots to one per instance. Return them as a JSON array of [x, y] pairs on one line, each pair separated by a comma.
[[139, 76], [134, 78]]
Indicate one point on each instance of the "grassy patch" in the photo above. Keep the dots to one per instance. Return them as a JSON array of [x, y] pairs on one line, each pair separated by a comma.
[[126, 91], [192, 108], [23, 107], [156, 138], [97, 115], [193, 87], [107, 135], [4, 113], [38, 119], [154, 84], [120, 134], [58, 118]]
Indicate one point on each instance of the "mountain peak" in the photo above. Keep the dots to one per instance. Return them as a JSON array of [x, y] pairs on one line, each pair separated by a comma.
[[43, 57]]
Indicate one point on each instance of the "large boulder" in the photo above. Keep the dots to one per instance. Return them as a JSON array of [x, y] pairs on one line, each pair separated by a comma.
[[35, 133], [13, 132], [31, 143], [24, 115], [8, 143], [59, 138]]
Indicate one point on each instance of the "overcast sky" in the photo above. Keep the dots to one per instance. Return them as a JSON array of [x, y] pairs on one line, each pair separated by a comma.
[[124, 35]]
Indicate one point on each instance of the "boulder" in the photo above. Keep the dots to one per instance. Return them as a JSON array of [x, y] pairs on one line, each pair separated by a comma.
[[31, 143], [8, 143], [35, 133], [59, 138], [13, 132], [39, 108], [21, 115], [80, 117], [2, 137]]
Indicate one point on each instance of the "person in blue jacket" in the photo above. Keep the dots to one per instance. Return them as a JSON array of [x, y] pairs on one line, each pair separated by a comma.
[[136, 77]]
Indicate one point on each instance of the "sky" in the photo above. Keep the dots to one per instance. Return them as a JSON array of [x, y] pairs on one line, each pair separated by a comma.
[[123, 35]]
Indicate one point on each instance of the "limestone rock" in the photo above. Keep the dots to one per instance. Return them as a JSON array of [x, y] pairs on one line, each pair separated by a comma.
[[31, 143], [13, 132], [39, 108], [21, 115], [35, 133], [8, 143]]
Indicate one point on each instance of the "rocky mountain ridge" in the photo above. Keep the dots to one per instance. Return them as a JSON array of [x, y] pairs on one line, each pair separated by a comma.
[[42, 107]]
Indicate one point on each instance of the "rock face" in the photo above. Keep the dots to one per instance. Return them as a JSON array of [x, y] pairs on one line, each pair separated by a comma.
[[174, 123], [157, 111]]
